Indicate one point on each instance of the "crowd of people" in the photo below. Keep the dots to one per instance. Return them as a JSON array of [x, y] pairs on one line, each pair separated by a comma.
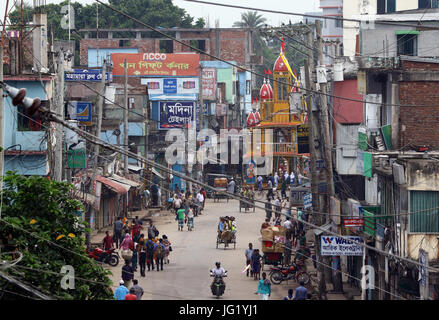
[[138, 251], [186, 206]]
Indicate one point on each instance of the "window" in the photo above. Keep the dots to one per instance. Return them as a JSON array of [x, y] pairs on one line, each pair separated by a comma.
[[221, 92], [131, 104], [386, 6], [424, 4], [407, 44], [166, 46], [25, 123], [339, 23], [124, 43]]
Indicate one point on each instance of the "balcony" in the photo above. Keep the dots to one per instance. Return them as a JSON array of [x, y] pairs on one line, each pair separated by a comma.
[[274, 149]]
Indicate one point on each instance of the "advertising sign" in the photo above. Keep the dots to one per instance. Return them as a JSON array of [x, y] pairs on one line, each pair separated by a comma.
[[155, 64], [208, 79], [307, 201], [87, 75], [176, 114], [340, 246], [297, 195], [353, 222], [158, 86], [83, 111]]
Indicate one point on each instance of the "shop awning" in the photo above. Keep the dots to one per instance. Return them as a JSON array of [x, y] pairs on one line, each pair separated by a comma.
[[117, 187], [134, 168], [84, 197], [154, 170], [124, 180]]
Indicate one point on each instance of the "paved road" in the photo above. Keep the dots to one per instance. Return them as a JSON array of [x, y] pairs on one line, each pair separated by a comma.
[[194, 254]]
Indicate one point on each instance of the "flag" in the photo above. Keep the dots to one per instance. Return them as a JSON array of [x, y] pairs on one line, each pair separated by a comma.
[[283, 44], [269, 72], [265, 71]]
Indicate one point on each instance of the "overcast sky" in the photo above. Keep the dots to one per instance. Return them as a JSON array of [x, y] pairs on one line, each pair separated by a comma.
[[226, 16]]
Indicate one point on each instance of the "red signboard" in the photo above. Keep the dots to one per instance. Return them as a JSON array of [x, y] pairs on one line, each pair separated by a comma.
[[155, 64], [353, 222], [208, 79]]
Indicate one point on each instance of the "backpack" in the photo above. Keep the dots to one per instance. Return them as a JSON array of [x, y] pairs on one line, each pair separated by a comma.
[[150, 247], [159, 251]]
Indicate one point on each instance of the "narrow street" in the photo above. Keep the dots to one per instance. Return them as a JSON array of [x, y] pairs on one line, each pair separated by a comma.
[[194, 254]]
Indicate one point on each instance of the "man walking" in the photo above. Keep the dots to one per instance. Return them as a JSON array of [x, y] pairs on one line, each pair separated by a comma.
[[138, 290], [121, 291], [248, 257], [127, 273], [181, 215], [141, 249], [268, 209], [150, 253], [301, 292], [118, 227], [131, 295], [231, 186], [270, 188], [159, 252], [108, 241], [264, 287]]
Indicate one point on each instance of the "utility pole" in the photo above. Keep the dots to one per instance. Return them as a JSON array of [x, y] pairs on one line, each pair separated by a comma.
[[327, 145], [59, 110], [2, 156], [313, 125], [99, 108], [125, 118]]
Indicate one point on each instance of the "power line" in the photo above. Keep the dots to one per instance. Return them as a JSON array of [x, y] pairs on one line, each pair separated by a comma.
[[239, 67], [104, 144], [306, 15]]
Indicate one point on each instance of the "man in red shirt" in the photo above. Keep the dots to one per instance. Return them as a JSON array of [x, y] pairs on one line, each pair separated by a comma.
[[131, 295], [204, 193], [108, 241]]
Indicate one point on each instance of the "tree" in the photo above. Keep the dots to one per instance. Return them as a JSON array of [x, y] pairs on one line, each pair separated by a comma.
[[40, 219], [255, 21]]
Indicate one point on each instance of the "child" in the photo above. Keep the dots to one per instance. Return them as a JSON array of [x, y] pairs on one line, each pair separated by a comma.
[[256, 264]]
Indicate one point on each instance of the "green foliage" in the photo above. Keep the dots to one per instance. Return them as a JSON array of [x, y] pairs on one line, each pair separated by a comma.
[[152, 12], [44, 209]]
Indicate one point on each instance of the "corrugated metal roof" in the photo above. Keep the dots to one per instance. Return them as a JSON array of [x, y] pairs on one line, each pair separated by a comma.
[[124, 180], [119, 188]]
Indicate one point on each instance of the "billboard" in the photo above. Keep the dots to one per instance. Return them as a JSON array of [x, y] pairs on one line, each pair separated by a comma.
[[340, 246], [176, 114], [155, 64], [208, 83], [158, 86]]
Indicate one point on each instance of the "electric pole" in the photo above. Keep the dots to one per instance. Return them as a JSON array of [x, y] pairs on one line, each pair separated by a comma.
[[125, 118], [59, 110], [2, 156], [327, 145], [313, 125], [99, 108]]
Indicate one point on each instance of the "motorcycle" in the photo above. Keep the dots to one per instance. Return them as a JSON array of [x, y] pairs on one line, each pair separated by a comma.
[[109, 256], [280, 274], [218, 286]]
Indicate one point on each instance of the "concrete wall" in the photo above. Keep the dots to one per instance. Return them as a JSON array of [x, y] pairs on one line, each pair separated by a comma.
[[426, 242], [422, 175]]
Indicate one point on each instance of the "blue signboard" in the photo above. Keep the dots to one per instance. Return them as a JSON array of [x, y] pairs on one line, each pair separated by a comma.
[[170, 86], [176, 114], [307, 201], [83, 111], [250, 172], [87, 75]]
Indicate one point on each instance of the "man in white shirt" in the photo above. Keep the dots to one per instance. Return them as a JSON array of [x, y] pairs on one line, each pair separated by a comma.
[[200, 199]]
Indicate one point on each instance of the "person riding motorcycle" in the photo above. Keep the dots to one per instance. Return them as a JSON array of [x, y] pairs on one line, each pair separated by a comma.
[[218, 273]]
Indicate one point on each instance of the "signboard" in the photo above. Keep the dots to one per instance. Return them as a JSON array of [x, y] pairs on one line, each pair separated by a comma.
[[208, 83], [76, 159], [159, 86], [87, 75], [156, 64], [303, 139], [250, 172], [83, 111], [353, 222], [297, 196], [176, 114], [307, 201], [340, 246]]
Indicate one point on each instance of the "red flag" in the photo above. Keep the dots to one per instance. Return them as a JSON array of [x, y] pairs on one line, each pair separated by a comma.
[[295, 73], [265, 71], [269, 72], [283, 44]]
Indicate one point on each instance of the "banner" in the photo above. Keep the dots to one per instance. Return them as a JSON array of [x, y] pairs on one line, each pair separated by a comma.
[[176, 114], [340, 246], [208, 80], [94, 75], [155, 64], [158, 86]]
